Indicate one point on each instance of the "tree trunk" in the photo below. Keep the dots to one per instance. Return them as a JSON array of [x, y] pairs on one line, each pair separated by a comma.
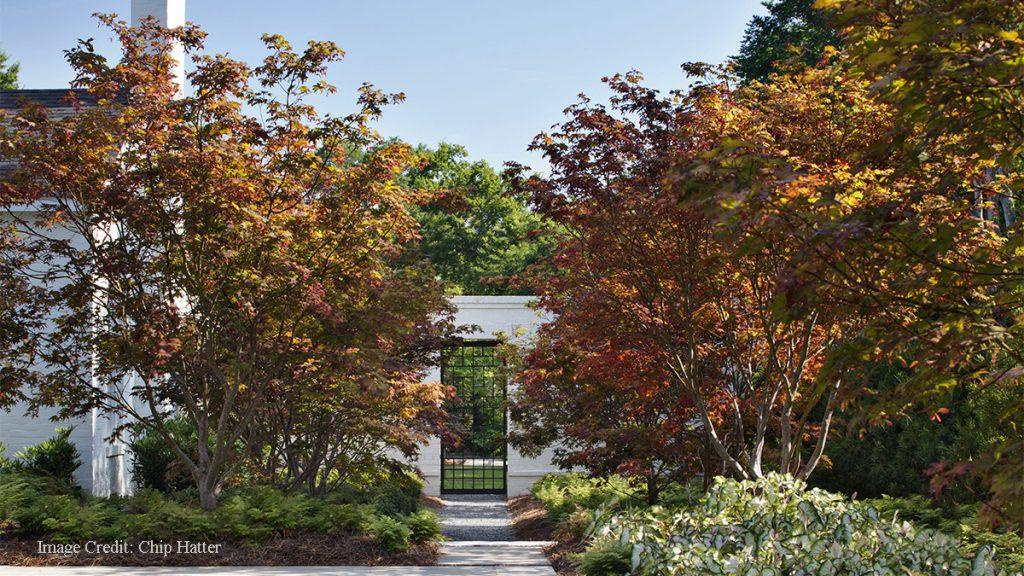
[[652, 490], [207, 497], [208, 488], [707, 464]]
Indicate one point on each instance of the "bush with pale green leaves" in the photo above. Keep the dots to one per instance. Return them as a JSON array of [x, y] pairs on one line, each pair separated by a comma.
[[777, 526], [564, 494]]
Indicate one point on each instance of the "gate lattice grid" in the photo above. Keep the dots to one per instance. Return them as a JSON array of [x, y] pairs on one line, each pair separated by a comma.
[[477, 463]]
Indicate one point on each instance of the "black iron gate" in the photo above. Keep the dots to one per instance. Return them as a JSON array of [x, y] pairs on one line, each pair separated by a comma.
[[474, 460]]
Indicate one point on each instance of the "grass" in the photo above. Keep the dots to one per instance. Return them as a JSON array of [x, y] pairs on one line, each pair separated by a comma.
[[476, 477]]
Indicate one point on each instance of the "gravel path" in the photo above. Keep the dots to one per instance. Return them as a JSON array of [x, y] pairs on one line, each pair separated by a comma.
[[476, 517]]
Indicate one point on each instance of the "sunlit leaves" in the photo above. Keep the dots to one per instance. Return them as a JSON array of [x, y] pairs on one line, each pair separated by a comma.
[[227, 254]]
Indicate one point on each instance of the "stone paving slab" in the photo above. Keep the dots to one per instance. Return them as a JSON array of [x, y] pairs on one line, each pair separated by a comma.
[[494, 554], [515, 543], [279, 571]]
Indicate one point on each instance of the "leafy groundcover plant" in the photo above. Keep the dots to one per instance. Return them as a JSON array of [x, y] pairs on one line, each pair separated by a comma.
[[772, 526], [776, 525]]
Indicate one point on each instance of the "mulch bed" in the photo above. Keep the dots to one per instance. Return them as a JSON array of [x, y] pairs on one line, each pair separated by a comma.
[[432, 502], [298, 550], [530, 522]]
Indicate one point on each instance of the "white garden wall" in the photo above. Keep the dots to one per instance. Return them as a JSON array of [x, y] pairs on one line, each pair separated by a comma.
[[512, 317]]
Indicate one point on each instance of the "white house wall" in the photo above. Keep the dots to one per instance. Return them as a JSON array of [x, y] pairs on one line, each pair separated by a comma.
[[18, 430]]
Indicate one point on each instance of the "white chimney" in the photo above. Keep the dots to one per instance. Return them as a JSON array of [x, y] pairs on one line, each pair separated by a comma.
[[170, 14]]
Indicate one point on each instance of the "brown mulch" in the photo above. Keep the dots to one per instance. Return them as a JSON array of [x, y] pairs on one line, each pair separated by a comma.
[[530, 522], [431, 502], [298, 550]]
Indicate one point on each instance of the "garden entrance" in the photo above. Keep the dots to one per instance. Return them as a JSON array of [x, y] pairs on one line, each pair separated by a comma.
[[474, 458]]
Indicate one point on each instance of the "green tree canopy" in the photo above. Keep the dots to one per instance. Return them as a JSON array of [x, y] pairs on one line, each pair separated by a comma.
[[479, 234], [792, 28], [8, 73]]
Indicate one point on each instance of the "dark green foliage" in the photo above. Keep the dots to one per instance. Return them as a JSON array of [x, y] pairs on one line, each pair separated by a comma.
[[606, 559], [8, 73], [150, 514], [55, 458], [64, 519], [980, 419], [423, 525], [154, 465], [37, 505], [883, 460], [259, 513], [478, 234], [34, 506], [399, 496], [389, 532], [17, 490], [895, 460], [347, 518], [791, 29], [394, 501]]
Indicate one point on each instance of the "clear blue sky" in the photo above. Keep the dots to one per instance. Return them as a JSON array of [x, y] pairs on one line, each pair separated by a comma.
[[486, 74]]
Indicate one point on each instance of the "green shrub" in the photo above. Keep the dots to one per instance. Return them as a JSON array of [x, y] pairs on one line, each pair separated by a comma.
[[563, 494], [423, 525], [62, 518], [397, 492], [882, 460], [150, 514], [393, 500], [580, 522], [154, 465], [17, 491], [679, 494], [261, 512], [389, 532], [606, 558], [55, 457], [38, 506], [317, 520], [347, 518], [776, 525], [347, 494]]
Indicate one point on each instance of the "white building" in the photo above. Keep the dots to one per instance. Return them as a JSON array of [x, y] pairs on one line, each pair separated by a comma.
[[106, 466], [496, 316]]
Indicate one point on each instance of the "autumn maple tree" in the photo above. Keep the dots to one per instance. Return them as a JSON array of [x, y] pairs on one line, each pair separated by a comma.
[[929, 237], [215, 254], [684, 312], [894, 174]]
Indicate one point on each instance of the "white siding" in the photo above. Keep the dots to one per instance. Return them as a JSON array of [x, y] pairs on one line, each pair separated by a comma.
[[18, 430]]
